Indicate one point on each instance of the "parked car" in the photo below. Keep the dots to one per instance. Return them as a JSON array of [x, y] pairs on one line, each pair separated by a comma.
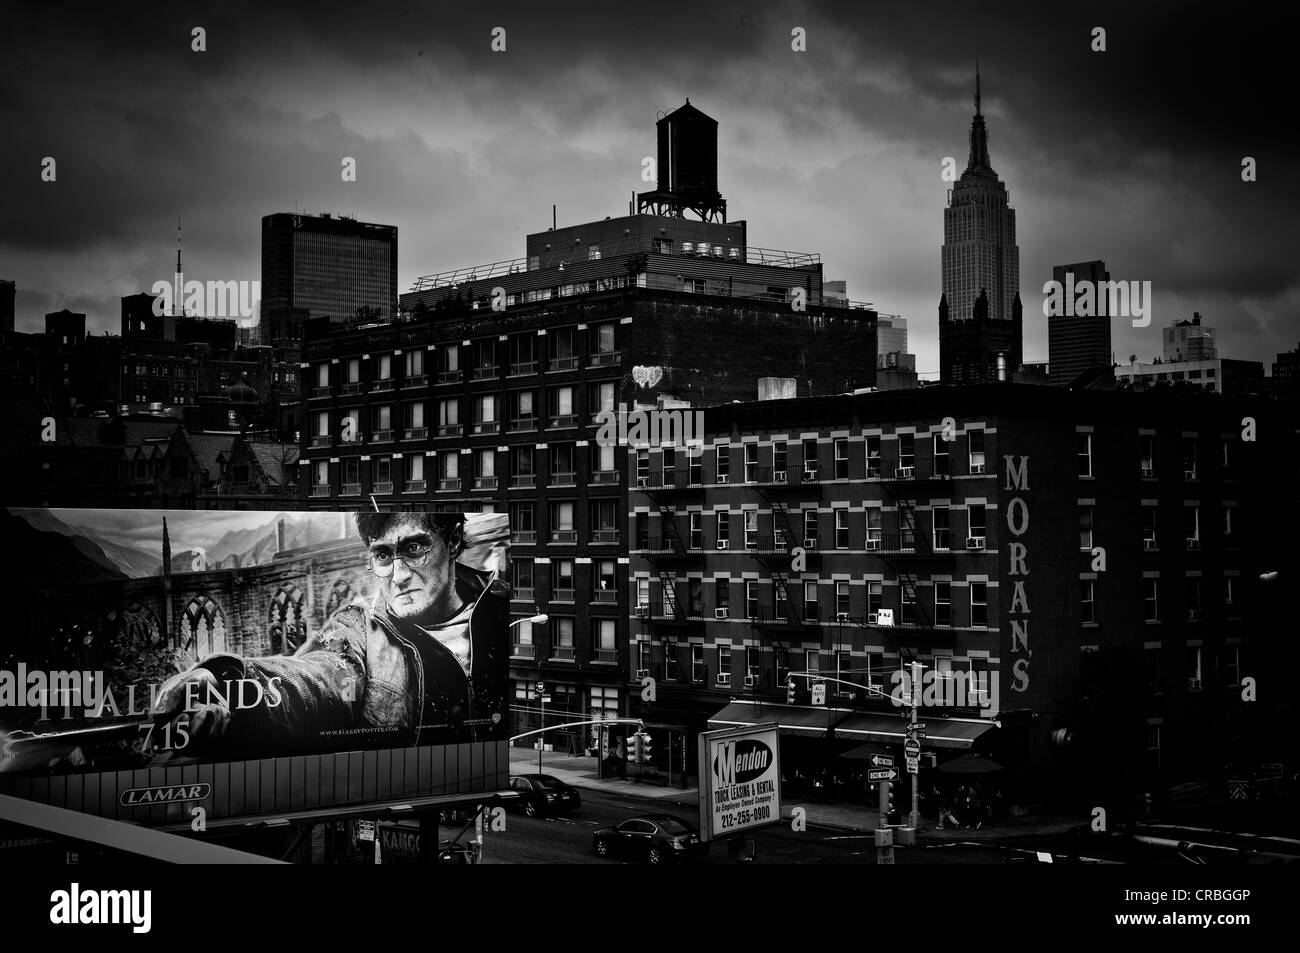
[[543, 794], [656, 838]]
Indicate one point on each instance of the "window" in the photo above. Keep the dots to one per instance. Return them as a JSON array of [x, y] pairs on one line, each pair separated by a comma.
[[1152, 659], [383, 372], [563, 353], [382, 474], [322, 377], [642, 466], [810, 601], [522, 468], [979, 603], [810, 526], [605, 573], [413, 426], [940, 449], [562, 530], [602, 462], [778, 459], [1087, 602], [751, 599], [1227, 460], [975, 450], [1151, 598], [724, 528], [523, 413], [561, 407], [812, 660], [977, 517], [751, 462], [810, 459], [523, 353], [695, 595], [1192, 526], [643, 592], [751, 529], [413, 369], [351, 475], [604, 633], [352, 375], [724, 664], [485, 359], [522, 570], [1085, 527], [1227, 591], [413, 469], [449, 363], [699, 671], [875, 673], [841, 598], [906, 451], [1148, 461], [449, 471], [485, 469], [642, 530], [842, 529], [1083, 452], [1227, 521], [1193, 597], [381, 422], [485, 413], [523, 529], [522, 642], [604, 346], [873, 455], [875, 597], [722, 593], [604, 521], [1189, 458], [668, 462], [907, 603], [695, 465], [563, 647], [1193, 668], [940, 517], [321, 436], [1231, 656], [600, 397], [562, 579], [942, 602], [874, 527], [841, 459], [448, 417], [562, 464], [1148, 527], [723, 455], [696, 519]]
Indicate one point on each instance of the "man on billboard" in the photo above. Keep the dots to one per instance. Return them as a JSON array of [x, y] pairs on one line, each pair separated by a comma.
[[424, 663]]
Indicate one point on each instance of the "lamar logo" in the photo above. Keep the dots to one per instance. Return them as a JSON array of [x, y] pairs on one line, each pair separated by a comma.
[[103, 906], [741, 761], [137, 797]]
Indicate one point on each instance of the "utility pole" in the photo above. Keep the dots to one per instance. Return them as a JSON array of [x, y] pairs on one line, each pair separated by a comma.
[[913, 767]]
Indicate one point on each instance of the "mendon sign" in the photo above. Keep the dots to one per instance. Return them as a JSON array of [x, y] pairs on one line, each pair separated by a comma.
[[740, 780], [268, 676]]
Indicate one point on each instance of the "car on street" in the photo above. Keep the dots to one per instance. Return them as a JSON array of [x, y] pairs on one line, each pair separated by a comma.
[[543, 794], [655, 838]]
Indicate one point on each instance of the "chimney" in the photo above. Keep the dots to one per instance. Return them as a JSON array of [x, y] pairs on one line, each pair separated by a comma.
[[279, 536]]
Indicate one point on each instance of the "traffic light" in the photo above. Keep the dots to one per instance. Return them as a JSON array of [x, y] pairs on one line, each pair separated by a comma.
[[789, 691], [645, 748], [634, 748], [886, 798]]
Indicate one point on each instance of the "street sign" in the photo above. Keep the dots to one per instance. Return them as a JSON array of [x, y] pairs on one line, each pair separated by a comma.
[[882, 760], [819, 693], [916, 726], [1238, 789], [912, 748], [882, 774], [546, 699], [913, 765], [365, 830], [541, 687]]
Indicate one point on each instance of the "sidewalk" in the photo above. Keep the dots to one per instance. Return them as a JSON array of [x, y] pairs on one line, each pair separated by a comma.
[[580, 772]]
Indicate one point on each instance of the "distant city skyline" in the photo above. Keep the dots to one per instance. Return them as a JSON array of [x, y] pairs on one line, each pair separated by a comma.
[[1124, 155]]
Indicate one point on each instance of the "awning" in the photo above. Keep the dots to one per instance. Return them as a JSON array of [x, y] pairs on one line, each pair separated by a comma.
[[808, 722], [891, 729]]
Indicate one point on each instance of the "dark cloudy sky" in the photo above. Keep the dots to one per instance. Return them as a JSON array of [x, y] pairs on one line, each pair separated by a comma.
[[1132, 155]]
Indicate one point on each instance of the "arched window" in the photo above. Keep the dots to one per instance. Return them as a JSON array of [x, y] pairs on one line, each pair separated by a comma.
[[341, 594], [204, 628], [286, 621]]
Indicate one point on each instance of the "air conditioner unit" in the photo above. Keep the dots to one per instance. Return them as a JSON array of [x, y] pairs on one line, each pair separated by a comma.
[[724, 477], [810, 544], [1193, 542], [1148, 544], [1193, 684], [975, 542], [724, 678], [642, 481], [778, 476], [1193, 615], [720, 613], [643, 611], [751, 681], [1189, 474], [809, 475], [905, 473], [724, 543], [976, 468], [642, 672], [873, 544], [1148, 471], [841, 617]]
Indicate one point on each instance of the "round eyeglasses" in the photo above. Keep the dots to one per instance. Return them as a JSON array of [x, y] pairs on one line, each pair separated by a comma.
[[413, 554]]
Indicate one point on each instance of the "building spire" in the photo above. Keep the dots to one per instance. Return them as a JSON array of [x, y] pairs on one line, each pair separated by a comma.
[[979, 135], [977, 85], [178, 219]]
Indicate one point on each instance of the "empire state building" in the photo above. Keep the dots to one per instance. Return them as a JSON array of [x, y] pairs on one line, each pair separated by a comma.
[[980, 312]]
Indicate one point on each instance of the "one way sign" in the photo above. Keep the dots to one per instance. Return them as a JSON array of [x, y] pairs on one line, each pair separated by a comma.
[[882, 774], [882, 760]]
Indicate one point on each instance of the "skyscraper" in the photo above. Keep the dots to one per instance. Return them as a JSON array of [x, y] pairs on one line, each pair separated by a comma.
[[322, 266], [7, 290], [1077, 343], [980, 312]]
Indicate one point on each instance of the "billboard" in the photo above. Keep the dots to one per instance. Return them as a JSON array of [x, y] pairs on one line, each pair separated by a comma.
[[740, 780], [148, 640]]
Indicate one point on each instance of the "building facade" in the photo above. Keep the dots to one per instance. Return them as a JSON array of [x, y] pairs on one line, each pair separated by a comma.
[[1078, 343]]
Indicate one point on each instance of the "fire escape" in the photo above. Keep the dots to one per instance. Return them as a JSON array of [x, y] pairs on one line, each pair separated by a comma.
[[668, 554]]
